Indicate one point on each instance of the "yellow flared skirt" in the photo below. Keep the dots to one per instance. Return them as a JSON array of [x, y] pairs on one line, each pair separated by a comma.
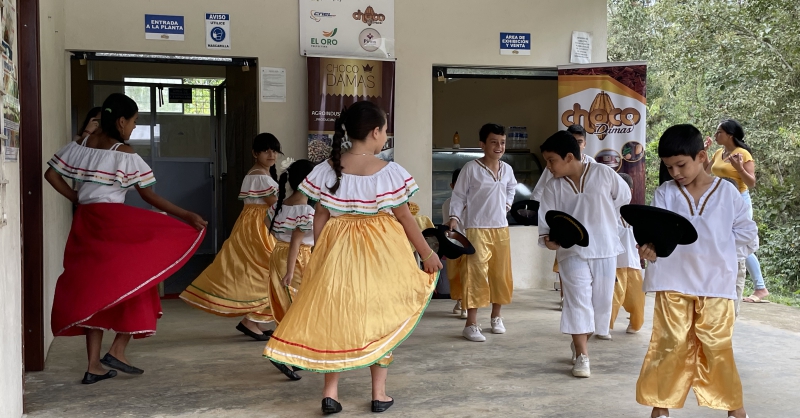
[[237, 282], [280, 296], [362, 295]]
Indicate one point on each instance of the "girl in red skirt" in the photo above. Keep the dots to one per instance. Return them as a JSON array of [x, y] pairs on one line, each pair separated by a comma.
[[116, 254]]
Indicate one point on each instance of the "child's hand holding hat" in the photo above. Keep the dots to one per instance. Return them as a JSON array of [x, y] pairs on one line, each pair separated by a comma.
[[647, 252]]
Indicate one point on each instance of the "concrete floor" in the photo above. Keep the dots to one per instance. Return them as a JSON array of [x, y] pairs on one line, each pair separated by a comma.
[[200, 366]]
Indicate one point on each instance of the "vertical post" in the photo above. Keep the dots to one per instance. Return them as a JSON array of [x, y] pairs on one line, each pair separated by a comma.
[[31, 187]]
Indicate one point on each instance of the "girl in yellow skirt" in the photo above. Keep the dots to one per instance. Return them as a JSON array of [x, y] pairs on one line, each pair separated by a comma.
[[237, 282], [363, 292], [291, 220]]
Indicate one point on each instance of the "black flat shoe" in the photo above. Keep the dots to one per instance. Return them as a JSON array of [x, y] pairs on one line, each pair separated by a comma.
[[381, 406], [330, 406], [258, 337], [286, 371], [110, 361], [89, 378]]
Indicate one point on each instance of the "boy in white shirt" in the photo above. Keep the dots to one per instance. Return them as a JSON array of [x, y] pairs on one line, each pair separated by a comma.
[[628, 291], [580, 135], [483, 195], [695, 286], [592, 194], [454, 266]]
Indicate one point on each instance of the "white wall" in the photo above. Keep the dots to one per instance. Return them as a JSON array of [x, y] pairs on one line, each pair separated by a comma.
[[11, 306]]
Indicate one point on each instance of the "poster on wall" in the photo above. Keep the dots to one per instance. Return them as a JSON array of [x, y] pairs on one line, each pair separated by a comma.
[[353, 28], [163, 27], [10, 88], [609, 101], [334, 83], [218, 31]]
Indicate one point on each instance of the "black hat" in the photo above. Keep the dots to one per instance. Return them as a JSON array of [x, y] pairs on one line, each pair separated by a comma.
[[446, 243], [660, 227], [565, 230], [526, 212]]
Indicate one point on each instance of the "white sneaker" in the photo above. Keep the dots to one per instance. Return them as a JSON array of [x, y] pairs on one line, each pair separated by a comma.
[[604, 337], [561, 305], [463, 314], [497, 326], [572, 347], [473, 333], [581, 367], [630, 330], [457, 308]]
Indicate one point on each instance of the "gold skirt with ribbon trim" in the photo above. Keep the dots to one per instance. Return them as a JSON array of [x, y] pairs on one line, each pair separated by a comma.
[[237, 282], [362, 295], [280, 296]]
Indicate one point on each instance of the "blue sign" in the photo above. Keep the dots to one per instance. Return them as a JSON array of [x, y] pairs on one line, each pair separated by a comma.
[[515, 43], [163, 27], [218, 31]]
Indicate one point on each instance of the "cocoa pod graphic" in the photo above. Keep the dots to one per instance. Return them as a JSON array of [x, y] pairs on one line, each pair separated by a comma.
[[598, 114]]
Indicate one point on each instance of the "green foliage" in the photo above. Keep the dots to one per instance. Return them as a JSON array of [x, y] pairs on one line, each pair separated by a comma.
[[710, 60]]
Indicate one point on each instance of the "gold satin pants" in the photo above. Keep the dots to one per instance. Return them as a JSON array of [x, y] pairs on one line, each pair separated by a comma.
[[690, 347], [628, 294], [492, 261], [454, 277]]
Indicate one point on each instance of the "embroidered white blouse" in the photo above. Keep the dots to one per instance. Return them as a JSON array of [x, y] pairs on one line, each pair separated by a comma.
[[547, 175], [105, 175], [594, 201], [708, 267], [255, 187], [388, 188], [480, 199], [291, 218]]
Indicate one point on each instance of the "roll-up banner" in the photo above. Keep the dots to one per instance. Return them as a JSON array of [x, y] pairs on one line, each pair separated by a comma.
[[609, 101], [334, 83]]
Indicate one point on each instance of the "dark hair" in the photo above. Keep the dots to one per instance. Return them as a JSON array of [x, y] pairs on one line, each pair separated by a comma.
[[663, 174], [682, 139], [294, 175], [577, 130], [563, 144], [89, 116], [734, 129], [116, 105], [266, 142], [627, 178], [357, 122], [490, 128], [456, 172]]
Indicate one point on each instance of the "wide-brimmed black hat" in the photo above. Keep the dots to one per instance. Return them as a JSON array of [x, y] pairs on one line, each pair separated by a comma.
[[525, 212], [446, 243], [660, 227], [565, 230]]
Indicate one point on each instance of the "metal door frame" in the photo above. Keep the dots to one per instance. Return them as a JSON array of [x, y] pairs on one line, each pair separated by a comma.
[[217, 146]]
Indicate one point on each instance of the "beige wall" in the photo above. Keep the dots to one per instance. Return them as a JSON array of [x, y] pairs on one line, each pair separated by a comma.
[[453, 32], [465, 105]]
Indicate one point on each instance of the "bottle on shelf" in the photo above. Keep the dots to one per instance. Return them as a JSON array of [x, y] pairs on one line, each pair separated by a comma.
[[456, 141]]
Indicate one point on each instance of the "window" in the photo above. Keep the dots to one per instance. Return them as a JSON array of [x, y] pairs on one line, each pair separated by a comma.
[[201, 98]]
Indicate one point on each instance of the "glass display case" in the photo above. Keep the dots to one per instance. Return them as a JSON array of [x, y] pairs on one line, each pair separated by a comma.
[[526, 165]]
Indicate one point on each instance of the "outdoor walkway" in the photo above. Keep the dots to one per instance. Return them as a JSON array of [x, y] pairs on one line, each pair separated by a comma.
[[200, 366]]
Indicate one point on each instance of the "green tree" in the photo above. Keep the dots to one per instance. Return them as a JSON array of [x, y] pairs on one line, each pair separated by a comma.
[[715, 59]]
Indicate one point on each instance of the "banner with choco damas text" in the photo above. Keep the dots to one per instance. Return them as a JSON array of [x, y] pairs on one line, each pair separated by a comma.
[[334, 83], [609, 101], [350, 28]]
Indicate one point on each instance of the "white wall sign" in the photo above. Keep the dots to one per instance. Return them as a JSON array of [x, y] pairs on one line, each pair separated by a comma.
[[581, 48], [273, 84], [353, 28], [218, 31], [163, 27]]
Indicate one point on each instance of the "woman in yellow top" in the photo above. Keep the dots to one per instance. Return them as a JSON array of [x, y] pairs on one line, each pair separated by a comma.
[[734, 161]]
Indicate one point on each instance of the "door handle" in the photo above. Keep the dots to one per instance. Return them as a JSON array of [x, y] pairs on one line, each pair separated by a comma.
[[211, 169]]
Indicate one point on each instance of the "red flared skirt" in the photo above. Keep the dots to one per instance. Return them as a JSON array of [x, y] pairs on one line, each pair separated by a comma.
[[115, 257]]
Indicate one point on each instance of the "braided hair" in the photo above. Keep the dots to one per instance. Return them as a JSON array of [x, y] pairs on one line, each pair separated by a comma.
[[734, 129], [116, 106], [294, 175], [356, 122], [266, 142]]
